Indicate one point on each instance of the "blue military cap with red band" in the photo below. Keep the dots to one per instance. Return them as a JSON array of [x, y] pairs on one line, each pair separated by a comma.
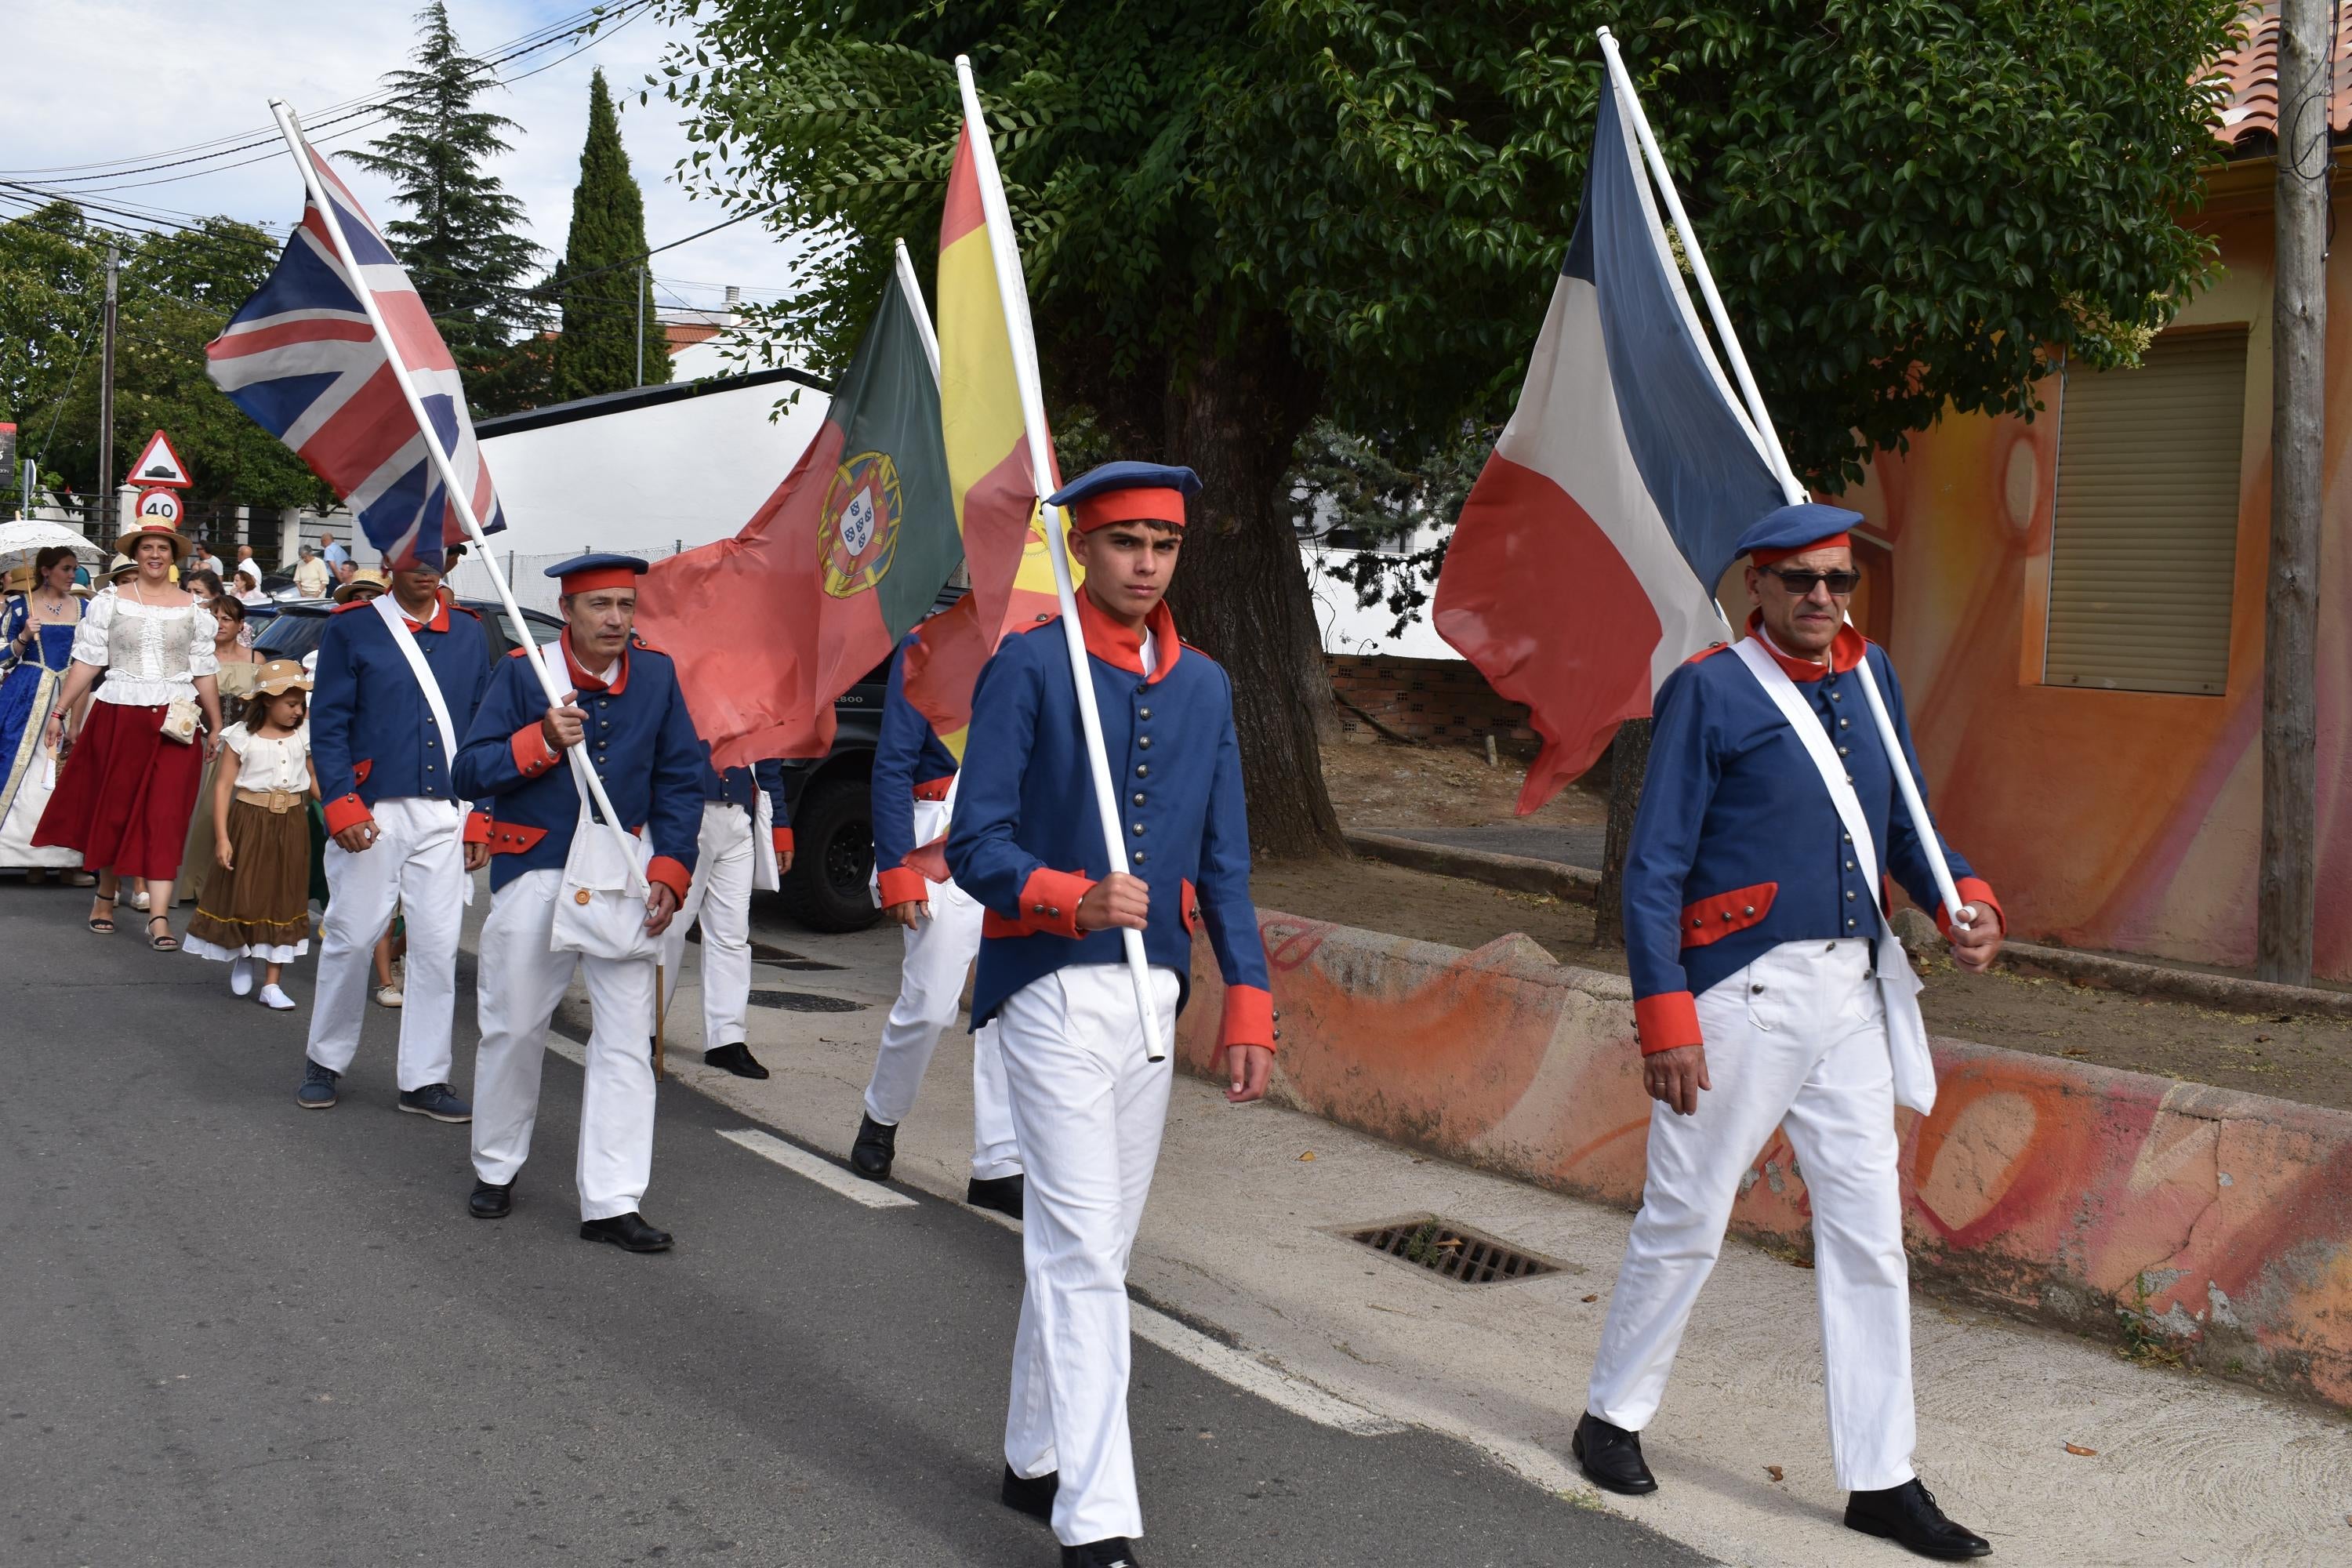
[[1793, 529], [587, 574], [1127, 492]]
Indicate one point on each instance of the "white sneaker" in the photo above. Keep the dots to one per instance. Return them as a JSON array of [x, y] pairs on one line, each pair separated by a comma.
[[388, 997], [273, 997], [240, 975]]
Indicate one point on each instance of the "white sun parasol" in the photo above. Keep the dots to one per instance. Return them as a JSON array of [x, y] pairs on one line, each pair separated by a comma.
[[21, 542]]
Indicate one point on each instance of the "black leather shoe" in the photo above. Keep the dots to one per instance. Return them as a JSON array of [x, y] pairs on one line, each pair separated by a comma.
[[1032, 1495], [1610, 1457], [736, 1059], [627, 1231], [876, 1147], [491, 1200], [1907, 1516], [1001, 1194], [1114, 1552]]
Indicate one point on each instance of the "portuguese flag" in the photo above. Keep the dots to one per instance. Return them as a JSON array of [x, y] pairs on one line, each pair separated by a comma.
[[988, 464], [770, 627]]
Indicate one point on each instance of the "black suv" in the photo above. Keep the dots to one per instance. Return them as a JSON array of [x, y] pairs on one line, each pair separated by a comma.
[[829, 796]]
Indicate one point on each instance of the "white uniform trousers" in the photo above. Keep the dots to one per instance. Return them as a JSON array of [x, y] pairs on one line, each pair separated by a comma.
[[1088, 1107], [522, 979], [1797, 1039], [938, 953], [721, 898], [418, 865]]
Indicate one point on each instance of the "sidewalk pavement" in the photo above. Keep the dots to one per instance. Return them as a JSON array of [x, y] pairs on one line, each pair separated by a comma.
[[2054, 1449]]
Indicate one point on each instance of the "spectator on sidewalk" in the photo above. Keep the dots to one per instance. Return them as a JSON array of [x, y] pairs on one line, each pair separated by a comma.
[[255, 909], [311, 575], [244, 582], [1769, 992]]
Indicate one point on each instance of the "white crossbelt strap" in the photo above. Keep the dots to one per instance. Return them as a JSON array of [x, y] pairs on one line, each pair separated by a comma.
[[1906, 1032], [397, 623]]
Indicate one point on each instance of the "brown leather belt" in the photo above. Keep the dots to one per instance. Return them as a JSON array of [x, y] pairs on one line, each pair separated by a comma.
[[278, 802]]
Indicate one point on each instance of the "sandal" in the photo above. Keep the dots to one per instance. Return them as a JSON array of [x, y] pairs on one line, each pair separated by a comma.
[[102, 924], [167, 943]]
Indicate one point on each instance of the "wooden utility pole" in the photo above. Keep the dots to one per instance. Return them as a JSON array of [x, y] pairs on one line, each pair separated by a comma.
[[2285, 886], [106, 503]]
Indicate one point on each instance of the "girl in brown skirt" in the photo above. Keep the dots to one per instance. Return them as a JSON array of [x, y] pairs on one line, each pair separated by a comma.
[[254, 909]]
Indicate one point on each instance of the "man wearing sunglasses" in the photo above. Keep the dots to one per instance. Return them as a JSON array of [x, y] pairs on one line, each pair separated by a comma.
[[1764, 999]]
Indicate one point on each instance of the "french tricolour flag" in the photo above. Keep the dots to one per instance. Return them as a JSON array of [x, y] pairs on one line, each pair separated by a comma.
[[1584, 567], [305, 364]]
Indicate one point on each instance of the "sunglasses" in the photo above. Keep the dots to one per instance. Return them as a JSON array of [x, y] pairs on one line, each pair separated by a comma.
[[1801, 583]]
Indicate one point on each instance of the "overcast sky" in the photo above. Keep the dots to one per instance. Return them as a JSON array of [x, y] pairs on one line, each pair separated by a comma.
[[101, 80]]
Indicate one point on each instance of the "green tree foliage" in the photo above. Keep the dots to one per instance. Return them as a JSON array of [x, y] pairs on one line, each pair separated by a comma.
[[459, 238], [1238, 214], [174, 294], [598, 279]]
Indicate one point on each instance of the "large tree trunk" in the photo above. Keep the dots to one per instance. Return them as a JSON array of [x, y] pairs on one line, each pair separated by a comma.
[[1629, 768], [1234, 413]]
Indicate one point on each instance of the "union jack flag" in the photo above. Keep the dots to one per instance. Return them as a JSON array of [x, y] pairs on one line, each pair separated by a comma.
[[304, 362]]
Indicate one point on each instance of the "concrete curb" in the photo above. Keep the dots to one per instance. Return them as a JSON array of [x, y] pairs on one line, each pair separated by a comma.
[[1577, 884], [1520, 873], [2178, 1220]]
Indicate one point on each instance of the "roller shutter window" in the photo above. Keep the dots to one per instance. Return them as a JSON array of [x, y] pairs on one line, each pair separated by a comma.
[[2145, 539]]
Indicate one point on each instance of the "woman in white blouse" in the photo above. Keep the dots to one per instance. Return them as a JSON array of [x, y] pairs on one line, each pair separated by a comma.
[[130, 774]]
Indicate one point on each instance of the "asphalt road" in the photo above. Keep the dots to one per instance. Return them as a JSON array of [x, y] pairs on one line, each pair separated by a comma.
[[239, 1332]]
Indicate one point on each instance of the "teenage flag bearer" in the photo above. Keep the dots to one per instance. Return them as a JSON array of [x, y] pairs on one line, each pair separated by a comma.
[[626, 718], [1087, 1103], [1768, 992], [746, 842], [912, 773]]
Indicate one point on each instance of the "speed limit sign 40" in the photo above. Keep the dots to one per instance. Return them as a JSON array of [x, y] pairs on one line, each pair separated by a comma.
[[159, 506]]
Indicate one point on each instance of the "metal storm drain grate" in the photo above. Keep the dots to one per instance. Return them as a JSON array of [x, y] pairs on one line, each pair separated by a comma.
[[806, 1002], [1453, 1251]]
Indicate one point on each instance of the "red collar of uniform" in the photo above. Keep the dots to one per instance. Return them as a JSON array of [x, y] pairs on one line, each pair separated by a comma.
[[583, 681], [1116, 645], [439, 623], [1844, 653]]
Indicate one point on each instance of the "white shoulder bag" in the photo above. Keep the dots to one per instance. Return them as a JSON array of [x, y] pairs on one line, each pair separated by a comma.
[[766, 877], [1898, 988], [600, 900], [388, 609]]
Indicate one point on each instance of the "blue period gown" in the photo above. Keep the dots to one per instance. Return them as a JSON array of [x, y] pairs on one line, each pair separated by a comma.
[[29, 688]]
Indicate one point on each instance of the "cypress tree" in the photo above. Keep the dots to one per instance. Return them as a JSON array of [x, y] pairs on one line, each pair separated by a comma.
[[459, 238], [598, 277]]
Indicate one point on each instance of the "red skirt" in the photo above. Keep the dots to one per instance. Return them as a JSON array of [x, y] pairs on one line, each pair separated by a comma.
[[125, 794]]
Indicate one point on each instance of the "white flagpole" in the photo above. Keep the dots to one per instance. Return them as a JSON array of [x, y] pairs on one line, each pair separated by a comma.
[[1012, 294], [917, 309], [1792, 490], [583, 772]]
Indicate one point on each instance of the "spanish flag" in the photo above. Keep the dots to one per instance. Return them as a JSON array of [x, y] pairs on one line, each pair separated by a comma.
[[996, 494]]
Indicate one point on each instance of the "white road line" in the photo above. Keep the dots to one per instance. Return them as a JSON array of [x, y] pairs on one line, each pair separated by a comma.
[[823, 1173], [1252, 1375]]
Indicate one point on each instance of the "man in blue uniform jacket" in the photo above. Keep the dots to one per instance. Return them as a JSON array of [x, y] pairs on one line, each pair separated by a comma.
[[746, 842], [1088, 1104], [398, 679], [913, 773], [1768, 992], [628, 719]]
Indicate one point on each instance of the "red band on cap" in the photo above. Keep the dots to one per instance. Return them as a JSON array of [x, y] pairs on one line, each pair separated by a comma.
[[597, 577], [1154, 504], [1770, 557]]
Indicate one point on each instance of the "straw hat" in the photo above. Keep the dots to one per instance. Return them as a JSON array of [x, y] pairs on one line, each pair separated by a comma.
[[181, 545], [371, 582], [122, 566], [280, 675]]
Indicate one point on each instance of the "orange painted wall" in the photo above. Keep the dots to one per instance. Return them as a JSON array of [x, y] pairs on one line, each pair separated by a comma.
[[2121, 820]]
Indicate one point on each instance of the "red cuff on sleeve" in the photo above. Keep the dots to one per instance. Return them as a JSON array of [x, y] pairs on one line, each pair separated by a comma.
[[1666, 1021], [901, 885], [671, 874], [1049, 901], [1248, 1018], [478, 827], [532, 754], [348, 812], [1972, 890], [782, 839]]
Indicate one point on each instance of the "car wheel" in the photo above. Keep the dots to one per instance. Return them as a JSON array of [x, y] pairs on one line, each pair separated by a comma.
[[833, 839]]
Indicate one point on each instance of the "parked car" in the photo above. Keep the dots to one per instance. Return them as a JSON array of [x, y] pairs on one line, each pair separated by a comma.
[[294, 628]]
